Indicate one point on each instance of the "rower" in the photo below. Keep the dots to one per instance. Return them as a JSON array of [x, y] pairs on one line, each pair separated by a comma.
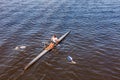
[[54, 39]]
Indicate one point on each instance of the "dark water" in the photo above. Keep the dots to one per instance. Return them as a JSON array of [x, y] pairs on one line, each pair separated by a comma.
[[94, 41]]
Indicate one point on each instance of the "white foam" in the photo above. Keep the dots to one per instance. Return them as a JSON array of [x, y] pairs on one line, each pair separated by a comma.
[[20, 47]]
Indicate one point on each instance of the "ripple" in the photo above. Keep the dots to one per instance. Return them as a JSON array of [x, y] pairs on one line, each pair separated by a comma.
[[93, 42]]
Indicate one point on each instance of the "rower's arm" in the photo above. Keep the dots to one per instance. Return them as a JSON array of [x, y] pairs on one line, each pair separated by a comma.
[[57, 40]]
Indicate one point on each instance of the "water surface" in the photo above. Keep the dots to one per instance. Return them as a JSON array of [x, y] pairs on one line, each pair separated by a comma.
[[94, 41]]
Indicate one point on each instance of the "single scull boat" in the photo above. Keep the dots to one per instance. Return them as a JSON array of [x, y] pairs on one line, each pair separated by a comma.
[[48, 48]]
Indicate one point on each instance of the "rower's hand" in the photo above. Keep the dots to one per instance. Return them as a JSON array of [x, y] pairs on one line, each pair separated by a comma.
[[57, 42]]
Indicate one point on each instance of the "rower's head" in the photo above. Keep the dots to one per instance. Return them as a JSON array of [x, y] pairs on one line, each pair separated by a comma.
[[54, 35]]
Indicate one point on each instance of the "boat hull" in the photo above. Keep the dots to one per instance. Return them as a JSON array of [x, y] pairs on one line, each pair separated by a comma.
[[48, 48]]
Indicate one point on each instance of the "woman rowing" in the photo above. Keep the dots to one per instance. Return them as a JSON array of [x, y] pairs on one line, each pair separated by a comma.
[[54, 39]]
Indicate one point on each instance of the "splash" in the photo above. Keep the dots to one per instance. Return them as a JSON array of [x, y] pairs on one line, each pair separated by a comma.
[[20, 48]]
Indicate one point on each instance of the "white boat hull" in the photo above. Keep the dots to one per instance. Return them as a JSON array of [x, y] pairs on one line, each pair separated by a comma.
[[44, 52]]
